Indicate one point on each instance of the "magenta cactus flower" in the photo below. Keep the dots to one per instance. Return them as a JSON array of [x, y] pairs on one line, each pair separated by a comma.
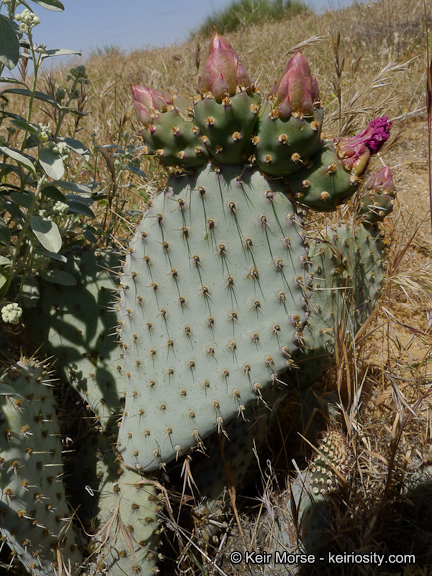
[[148, 102], [224, 75], [297, 90], [355, 151]]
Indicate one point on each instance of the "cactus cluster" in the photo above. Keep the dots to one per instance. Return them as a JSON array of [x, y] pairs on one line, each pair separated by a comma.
[[221, 302], [302, 516]]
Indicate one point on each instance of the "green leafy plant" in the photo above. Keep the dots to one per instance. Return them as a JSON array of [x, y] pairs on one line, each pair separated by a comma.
[[43, 208]]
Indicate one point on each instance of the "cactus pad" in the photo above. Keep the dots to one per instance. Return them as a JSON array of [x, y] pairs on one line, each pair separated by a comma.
[[127, 537], [211, 308], [35, 520]]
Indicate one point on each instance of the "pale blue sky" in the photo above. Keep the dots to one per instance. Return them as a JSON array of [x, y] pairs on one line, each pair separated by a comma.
[[87, 24]]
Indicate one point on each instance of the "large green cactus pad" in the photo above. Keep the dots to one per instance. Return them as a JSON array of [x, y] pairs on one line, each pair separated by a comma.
[[34, 516], [211, 308]]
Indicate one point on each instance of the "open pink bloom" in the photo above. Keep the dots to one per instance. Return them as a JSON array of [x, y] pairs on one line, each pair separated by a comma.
[[355, 151], [148, 102], [297, 90], [223, 72], [382, 182]]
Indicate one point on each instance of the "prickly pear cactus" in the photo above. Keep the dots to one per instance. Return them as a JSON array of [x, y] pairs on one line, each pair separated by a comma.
[[35, 521], [126, 537], [214, 314], [347, 263], [224, 301], [213, 295]]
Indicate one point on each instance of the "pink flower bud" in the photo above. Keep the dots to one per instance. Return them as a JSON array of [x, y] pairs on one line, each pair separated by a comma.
[[223, 73], [148, 102], [355, 151], [382, 182], [297, 91]]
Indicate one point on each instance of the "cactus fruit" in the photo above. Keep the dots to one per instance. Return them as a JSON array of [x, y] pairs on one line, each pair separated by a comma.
[[227, 105], [168, 131], [378, 200], [76, 325], [289, 125], [333, 173], [34, 518]]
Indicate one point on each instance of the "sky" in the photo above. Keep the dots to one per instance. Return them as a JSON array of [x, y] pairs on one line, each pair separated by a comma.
[[130, 24]]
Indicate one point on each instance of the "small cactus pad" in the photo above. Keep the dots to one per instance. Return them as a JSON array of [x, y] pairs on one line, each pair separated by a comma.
[[34, 517], [347, 263], [284, 146], [334, 457], [127, 538], [302, 517], [77, 325], [211, 308]]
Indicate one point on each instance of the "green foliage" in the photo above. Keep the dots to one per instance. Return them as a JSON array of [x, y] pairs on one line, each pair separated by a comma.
[[243, 13], [107, 50], [43, 209]]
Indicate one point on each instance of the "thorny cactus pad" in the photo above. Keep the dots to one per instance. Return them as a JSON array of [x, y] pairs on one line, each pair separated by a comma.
[[212, 303], [301, 519], [127, 535], [211, 308], [35, 520]]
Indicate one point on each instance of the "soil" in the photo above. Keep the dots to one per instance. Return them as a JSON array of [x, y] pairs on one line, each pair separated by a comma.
[[411, 225]]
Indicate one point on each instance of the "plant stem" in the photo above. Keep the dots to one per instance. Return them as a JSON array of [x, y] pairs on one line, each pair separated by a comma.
[[36, 63]]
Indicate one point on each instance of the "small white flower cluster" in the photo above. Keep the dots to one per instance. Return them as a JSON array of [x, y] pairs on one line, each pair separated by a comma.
[[44, 132], [28, 20], [45, 208], [48, 208], [60, 148], [11, 313], [60, 208]]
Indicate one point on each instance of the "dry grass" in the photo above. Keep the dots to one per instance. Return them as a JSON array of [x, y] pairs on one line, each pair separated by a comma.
[[369, 61]]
